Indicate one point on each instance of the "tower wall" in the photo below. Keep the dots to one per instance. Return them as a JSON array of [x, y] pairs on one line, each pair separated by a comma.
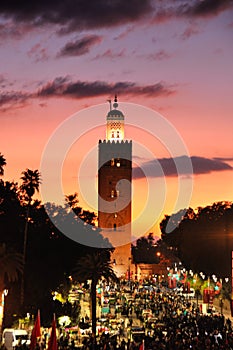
[[114, 201]]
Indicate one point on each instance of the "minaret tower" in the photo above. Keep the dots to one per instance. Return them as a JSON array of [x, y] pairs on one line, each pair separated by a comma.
[[115, 123], [114, 188]]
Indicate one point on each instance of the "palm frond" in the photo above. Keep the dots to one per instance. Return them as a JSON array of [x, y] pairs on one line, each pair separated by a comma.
[[11, 264], [93, 267]]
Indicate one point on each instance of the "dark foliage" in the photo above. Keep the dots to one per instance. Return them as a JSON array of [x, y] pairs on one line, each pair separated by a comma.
[[145, 251], [203, 240], [50, 255]]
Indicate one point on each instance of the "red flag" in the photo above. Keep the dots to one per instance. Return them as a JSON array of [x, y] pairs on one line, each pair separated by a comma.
[[142, 346], [52, 344], [35, 332]]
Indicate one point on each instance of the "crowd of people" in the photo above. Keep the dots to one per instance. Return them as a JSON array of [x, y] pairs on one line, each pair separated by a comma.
[[178, 324]]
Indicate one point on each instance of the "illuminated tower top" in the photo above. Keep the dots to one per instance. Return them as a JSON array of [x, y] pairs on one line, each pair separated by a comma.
[[115, 123]]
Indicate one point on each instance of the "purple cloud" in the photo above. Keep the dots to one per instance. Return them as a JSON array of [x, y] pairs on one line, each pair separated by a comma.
[[62, 87], [38, 53], [224, 159], [74, 15], [206, 8], [167, 166], [159, 55], [110, 54], [80, 46], [8, 29], [13, 96], [191, 30], [166, 10]]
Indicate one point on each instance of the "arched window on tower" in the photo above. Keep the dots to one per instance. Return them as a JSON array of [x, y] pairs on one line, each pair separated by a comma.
[[114, 226]]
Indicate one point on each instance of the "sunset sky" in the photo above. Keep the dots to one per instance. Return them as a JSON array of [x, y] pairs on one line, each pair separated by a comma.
[[171, 57]]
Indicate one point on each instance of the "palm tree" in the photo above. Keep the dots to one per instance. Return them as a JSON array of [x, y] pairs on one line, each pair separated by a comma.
[[31, 180], [11, 265], [93, 267], [2, 164]]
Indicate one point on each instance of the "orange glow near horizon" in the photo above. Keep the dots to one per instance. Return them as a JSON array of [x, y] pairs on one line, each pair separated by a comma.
[[208, 188]]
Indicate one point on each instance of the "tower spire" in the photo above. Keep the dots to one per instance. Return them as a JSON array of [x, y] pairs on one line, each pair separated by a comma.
[[115, 104], [115, 123]]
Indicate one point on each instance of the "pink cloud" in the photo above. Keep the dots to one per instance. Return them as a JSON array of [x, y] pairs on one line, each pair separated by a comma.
[[191, 30], [159, 55], [38, 53], [110, 54]]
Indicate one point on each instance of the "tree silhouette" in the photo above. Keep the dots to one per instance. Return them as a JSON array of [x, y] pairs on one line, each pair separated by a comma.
[[145, 251], [85, 215], [93, 267], [202, 238], [50, 256], [30, 183], [11, 214], [31, 180], [2, 164], [11, 265], [72, 200]]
